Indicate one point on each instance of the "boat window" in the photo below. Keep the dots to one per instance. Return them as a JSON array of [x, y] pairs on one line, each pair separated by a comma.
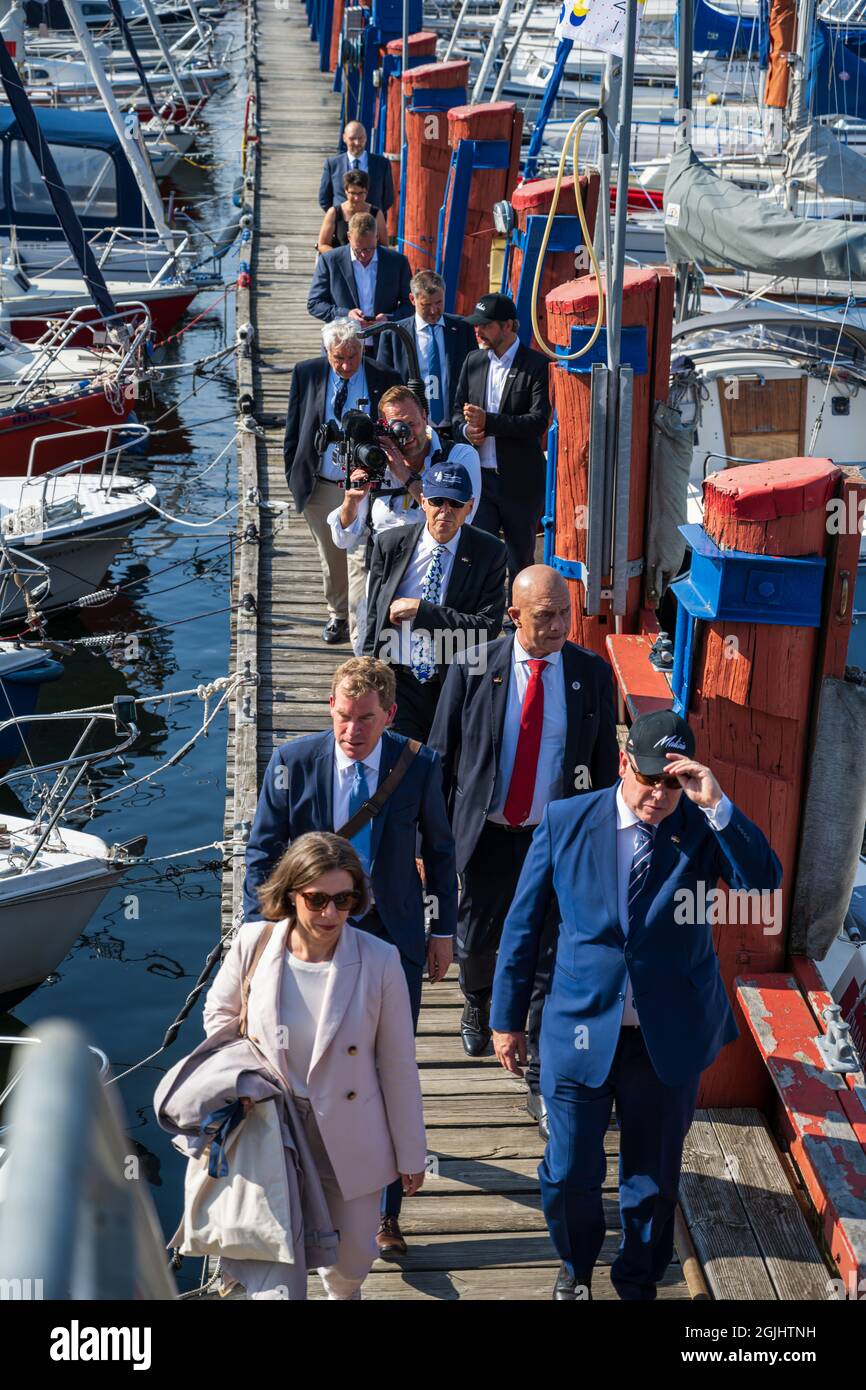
[[815, 340], [89, 175]]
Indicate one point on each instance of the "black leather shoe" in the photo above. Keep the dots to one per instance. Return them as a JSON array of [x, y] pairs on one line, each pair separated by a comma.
[[538, 1110], [474, 1031], [568, 1289], [335, 630]]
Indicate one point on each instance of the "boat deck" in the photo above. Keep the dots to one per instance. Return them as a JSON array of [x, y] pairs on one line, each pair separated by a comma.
[[476, 1230]]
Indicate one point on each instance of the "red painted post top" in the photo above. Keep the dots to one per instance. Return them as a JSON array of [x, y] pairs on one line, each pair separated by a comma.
[[491, 120], [776, 508], [437, 75], [538, 193], [421, 45]]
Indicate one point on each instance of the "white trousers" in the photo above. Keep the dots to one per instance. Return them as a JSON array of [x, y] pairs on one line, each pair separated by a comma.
[[356, 1220]]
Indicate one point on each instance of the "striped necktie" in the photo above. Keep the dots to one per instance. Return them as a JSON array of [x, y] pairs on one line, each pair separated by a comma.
[[644, 836], [422, 658]]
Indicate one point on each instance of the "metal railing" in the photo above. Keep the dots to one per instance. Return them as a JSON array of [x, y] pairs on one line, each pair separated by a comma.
[[76, 1221], [131, 326]]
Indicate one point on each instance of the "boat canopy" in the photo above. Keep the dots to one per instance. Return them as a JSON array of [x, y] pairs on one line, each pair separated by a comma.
[[837, 84], [710, 220], [723, 32], [92, 163]]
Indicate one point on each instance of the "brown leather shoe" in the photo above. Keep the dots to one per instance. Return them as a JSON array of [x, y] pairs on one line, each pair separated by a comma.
[[389, 1239]]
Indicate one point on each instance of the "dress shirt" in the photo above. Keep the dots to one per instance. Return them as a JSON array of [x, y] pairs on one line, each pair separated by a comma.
[[499, 369], [365, 283], [422, 338], [416, 570], [344, 776], [626, 820], [548, 775], [328, 467], [402, 510]]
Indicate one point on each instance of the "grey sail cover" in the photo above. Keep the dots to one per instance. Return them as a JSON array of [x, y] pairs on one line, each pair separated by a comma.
[[712, 221], [822, 164]]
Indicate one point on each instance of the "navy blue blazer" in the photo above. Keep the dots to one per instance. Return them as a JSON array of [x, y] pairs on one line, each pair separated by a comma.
[[678, 991], [297, 796], [470, 717], [381, 188], [459, 342], [333, 291], [306, 412]]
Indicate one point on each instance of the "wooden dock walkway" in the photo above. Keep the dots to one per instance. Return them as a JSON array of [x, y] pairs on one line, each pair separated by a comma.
[[476, 1230]]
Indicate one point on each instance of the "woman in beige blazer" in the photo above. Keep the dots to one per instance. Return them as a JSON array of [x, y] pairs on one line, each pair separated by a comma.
[[329, 1009]]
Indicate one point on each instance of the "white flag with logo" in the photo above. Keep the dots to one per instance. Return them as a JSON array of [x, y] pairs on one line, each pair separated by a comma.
[[596, 24]]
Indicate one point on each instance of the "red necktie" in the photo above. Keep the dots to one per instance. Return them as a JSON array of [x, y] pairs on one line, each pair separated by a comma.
[[522, 786]]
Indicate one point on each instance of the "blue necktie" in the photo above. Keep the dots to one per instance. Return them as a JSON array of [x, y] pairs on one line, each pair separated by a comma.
[[359, 794], [340, 395], [423, 664], [644, 836], [435, 391]]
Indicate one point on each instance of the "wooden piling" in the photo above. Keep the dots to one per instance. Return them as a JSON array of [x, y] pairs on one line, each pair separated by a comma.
[[535, 199], [500, 120], [427, 158]]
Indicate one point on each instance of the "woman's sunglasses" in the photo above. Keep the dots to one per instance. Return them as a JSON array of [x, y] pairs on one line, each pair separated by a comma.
[[670, 784], [343, 902]]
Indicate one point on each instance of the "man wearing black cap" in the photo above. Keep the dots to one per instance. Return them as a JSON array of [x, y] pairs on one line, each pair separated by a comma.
[[637, 1009], [502, 406], [434, 591]]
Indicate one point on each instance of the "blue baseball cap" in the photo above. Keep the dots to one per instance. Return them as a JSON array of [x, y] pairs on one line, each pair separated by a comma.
[[450, 480]]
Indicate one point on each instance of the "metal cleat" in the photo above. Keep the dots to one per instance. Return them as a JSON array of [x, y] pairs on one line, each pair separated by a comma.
[[835, 1046]]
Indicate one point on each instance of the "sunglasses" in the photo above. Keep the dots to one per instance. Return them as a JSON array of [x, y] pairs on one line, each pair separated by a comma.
[[670, 784], [440, 502], [343, 902]]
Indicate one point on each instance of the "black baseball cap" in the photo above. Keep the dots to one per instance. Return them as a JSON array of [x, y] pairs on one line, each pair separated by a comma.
[[448, 480], [493, 308], [653, 735]]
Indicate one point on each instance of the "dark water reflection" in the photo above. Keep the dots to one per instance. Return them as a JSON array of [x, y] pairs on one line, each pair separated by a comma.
[[128, 975]]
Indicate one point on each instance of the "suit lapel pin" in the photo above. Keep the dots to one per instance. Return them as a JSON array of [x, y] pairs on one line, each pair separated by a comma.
[[675, 839], [497, 680], [465, 559], [575, 685]]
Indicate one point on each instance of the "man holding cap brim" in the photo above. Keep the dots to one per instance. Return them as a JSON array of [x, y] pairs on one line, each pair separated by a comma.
[[434, 590], [637, 1008], [502, 407]]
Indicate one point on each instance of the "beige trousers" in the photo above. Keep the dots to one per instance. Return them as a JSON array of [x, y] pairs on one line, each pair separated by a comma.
[[356, 1220], [335, 578], [357, 596]]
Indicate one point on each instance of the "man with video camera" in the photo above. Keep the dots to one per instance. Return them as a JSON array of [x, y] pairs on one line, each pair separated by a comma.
[[324, 389], [389, 495]]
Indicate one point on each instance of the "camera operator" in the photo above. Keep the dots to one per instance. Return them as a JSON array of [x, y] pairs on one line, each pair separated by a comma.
[[323, 390], [370, 506]]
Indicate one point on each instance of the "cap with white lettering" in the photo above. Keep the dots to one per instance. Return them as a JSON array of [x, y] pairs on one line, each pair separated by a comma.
[[652, 736]]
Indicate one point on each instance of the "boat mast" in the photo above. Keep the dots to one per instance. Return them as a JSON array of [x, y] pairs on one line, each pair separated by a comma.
[[798, 110], [505, 69], [492, 52], [685, 77], [164, 48], [140, 164]]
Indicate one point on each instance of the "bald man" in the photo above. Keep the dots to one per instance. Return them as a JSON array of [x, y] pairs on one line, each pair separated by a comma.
[[536, 724], [380, 189]]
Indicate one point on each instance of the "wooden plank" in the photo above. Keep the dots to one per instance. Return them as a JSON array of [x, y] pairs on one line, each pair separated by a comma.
[[494, 1250], [469, 1176], [471, 1081], [822, 1142], [524, 1283], [496, 1142], [717, 1222], [790, 1255], [643, 687]]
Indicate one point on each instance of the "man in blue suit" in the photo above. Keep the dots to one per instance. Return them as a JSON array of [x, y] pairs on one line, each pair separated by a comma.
[[362, 281], [442, 342], [380, 190], [637, 1009], [318, 782]]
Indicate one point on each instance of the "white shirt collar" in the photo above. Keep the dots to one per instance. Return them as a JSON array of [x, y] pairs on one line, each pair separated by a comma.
[[507, 357], [372, 262], [521, 654], [371, 761], [421, 324], [428, 543]]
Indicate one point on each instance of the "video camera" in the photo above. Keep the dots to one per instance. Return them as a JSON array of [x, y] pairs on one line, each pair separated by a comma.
[[356, 449]]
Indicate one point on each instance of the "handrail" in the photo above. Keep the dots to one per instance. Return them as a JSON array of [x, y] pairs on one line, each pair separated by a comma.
[[132, 322], [72, 1219], [138, 432]]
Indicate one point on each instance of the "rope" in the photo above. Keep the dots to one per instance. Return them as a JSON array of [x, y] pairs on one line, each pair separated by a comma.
[[573, 135], [172, 337]]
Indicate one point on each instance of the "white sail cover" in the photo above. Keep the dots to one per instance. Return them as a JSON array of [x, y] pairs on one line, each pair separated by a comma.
[[712, 221], [822, 164]]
